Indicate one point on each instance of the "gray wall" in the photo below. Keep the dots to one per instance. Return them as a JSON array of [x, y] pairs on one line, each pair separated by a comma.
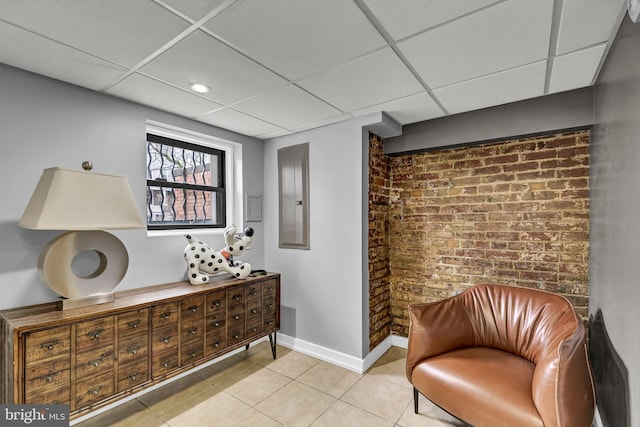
[[566, 110], [46, 123], [615, 204]]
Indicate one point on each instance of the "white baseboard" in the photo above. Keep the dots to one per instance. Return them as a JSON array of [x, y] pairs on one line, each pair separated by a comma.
[[597, 420], [334, 357]]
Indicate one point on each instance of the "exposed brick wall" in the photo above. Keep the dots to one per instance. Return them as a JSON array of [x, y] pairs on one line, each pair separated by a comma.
[[514, 212], [379, 291]]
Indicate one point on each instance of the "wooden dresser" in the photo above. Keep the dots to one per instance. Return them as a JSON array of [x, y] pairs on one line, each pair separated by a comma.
[[91, 356]]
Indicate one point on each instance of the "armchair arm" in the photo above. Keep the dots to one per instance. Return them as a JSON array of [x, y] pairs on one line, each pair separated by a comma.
[[436, 328]]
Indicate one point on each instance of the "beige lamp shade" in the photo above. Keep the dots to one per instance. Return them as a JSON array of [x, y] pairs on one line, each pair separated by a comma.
[[80, 200], [85, 203]]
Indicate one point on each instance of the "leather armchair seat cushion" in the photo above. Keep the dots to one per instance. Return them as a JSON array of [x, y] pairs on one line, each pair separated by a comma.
[[480, 381]]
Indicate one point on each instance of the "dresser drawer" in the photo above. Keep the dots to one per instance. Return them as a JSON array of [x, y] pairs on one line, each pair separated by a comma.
[[165, 338], [133, 374], [134, 322], [191, 352], [269, 288], [254, 309], [49, 380], [95, 333], [133, 348], [192, 330], [216, 321], [269, 305], [270, 324], [95, 361], [49, 396], [235, 333], [192, 308], [235, 297], [253, 292], [164, 314], [235, 312], [48, 343], [216, 301], [94, 389], [254, 327], [215, 341], [43, 368], [164, 362]]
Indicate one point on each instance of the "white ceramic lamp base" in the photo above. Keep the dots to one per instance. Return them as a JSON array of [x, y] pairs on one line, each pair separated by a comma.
[[55, 267]]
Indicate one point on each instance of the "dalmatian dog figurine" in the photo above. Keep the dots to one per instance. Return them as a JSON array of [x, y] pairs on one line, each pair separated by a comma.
[[203, 261]]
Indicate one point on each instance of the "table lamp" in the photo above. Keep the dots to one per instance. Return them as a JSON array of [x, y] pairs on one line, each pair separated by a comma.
[[85, 203]]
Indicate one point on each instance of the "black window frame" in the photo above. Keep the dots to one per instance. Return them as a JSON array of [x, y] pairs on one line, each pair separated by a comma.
[[218, 191]]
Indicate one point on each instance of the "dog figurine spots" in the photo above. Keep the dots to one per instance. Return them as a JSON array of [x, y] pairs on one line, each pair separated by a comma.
[[203, 261]]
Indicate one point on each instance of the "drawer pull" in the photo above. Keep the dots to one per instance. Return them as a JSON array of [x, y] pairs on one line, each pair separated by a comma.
[[216, 324], [193, 308], [95, 391], [267, 323], [270, 306], [165, 364], [254, 329], [134, 324], [95, 333], [49, 377], [95, 363], [165, 340], [216, 303], [253, 292], [165, 315], [269, 288], [193, 331], [49, 344], [133, 377], [237, 297], [133, 349], [193, 353], [236, 336], [215, 344], [254, 311], [237, 317]]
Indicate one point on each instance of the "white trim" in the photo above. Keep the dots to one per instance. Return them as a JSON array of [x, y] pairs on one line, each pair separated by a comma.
[[376, 353], [328, 355], [399, 341], [597, 420], [337, 358]]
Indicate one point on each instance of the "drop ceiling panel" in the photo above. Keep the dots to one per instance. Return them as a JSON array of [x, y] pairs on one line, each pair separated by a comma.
[[53, 59], [147, 91], [287, 107], [368, 80], [506, 35], [575, 70], [406, 17], [323, 122], [193, 9], [587, 22], [199, 58], [297, 38], [407, 110], [122, 31], [238, 122], [496, 89]]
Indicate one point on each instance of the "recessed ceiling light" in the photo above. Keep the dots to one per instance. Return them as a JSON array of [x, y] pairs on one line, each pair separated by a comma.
[[199, 87]]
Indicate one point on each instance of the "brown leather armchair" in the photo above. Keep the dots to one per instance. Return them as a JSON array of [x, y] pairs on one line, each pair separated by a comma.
[[498, 355]]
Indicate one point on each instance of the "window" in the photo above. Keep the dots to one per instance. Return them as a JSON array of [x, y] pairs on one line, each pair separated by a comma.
[[186, 184]]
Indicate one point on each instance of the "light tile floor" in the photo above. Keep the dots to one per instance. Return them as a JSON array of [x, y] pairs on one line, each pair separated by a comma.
[[252, 389]]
